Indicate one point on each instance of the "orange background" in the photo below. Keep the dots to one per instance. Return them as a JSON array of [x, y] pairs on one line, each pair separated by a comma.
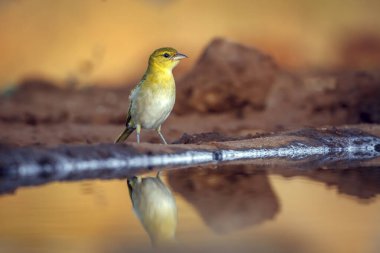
[[108, 41]]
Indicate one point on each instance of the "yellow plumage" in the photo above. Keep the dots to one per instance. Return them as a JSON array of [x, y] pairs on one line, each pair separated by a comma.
[[152, 100]]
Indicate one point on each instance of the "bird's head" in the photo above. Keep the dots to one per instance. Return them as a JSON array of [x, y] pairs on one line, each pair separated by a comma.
[[165, 58]]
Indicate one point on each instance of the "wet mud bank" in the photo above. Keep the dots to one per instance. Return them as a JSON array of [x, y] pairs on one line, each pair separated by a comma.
[[303, 149]]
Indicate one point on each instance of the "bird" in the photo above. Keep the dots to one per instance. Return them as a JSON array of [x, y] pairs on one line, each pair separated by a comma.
[[152, 100], [155, 207]]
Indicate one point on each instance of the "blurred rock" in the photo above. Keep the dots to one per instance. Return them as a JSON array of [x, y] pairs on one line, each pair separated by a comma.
[[360, 50], [38, 101], [38, 83], [228, 76], [344, 98]]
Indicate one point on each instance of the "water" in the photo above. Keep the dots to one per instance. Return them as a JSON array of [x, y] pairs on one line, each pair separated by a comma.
[[238, 208], [308, 191]]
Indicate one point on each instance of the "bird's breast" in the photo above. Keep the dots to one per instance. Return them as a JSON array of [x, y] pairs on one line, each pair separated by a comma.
[[152, 104]]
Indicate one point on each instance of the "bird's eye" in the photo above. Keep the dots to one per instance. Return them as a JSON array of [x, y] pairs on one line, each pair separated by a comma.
[[166, 55]]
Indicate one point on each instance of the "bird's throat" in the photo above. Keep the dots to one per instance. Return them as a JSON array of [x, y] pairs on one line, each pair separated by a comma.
[[159, 76]]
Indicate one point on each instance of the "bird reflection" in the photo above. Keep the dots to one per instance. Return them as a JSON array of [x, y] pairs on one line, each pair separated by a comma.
[[155, 207], [229, 198]]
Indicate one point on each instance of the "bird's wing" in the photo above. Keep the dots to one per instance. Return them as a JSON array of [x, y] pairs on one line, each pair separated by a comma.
[[129, 117], [132, 96]]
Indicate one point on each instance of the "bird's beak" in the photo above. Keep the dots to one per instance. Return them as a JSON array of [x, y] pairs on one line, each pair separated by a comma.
[[179, 56]]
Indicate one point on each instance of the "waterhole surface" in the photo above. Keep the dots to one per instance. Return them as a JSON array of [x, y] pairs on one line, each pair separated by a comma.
[[227, 208], [310, 195]]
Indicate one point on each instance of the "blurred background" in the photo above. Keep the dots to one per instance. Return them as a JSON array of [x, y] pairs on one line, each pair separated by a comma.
[[109, 41], [318, 61]]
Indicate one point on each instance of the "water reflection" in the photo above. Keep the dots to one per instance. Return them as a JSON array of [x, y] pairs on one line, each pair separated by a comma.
[[233, 197], [155, 207], [228, 198], [361, 183], [229, 208]]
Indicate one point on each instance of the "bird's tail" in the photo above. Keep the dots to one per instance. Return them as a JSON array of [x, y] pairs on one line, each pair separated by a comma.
[[125, 134]]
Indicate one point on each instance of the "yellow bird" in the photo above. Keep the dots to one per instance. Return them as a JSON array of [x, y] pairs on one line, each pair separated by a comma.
[[155, 207], [152, 100]]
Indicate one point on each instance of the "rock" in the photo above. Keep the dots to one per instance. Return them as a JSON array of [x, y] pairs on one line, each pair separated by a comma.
[[37, 84], [228, 76], [343, 98], [359, 50], [361, 92]]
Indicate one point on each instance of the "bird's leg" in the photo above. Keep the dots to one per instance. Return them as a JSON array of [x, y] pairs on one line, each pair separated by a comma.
[[164, 141], [160, 134], [138, 130]]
